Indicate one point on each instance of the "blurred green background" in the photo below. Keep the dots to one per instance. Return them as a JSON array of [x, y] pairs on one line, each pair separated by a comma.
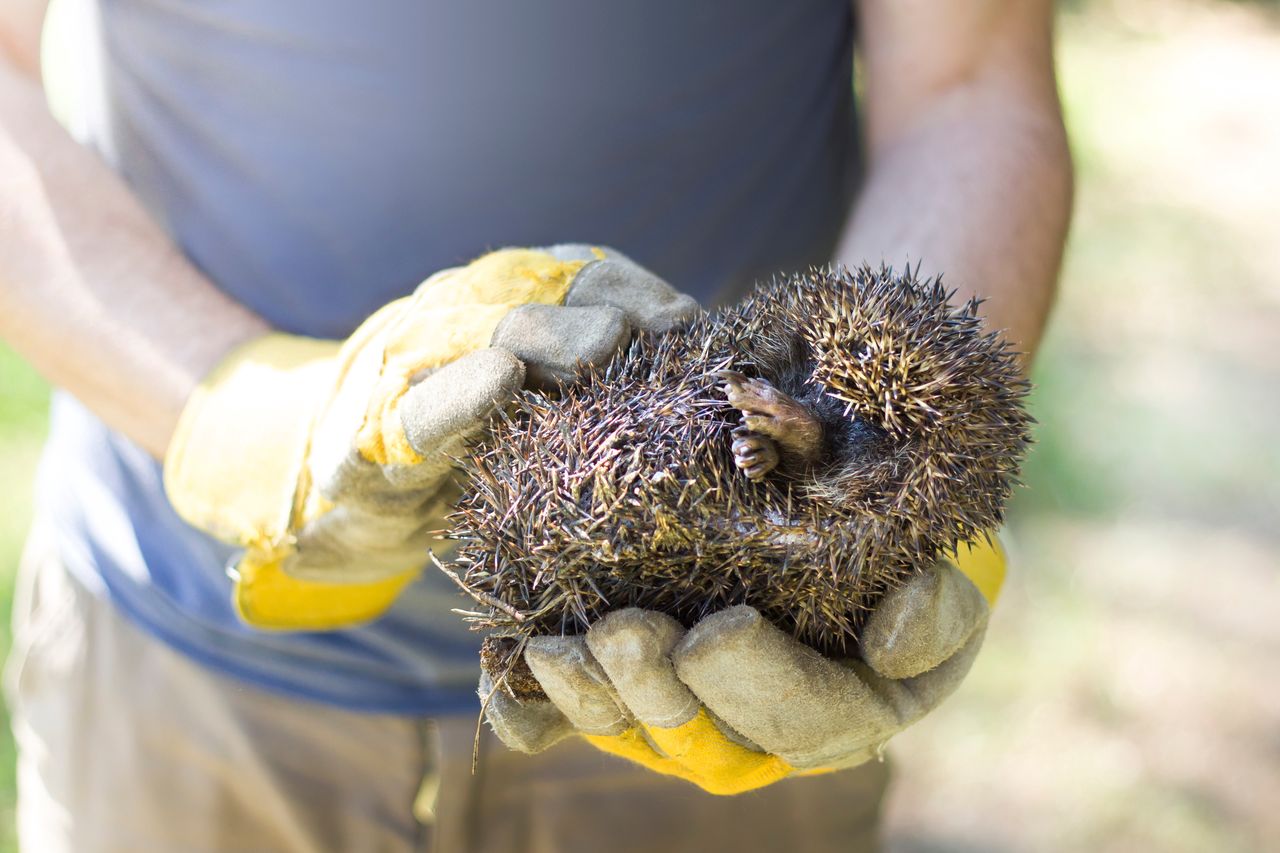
[[1129, 694], [23, 401], [1128, 698]]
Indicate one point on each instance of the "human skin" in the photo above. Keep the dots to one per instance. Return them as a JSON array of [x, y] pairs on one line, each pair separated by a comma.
[[968, 173], [92, 291]]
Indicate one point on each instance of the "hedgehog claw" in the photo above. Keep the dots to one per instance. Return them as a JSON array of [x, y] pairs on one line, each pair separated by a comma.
[[730, 376], [766, 411], [755, 455]]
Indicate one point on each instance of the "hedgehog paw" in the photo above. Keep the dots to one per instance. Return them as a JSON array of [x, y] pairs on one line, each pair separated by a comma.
[[754, 454], [766, 411]]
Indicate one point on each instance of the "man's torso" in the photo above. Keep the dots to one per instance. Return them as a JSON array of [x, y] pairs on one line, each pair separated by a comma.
[[319, 159]]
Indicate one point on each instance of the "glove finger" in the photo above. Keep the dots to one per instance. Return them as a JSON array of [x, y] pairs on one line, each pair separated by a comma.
[[386, 544], [931, 687], [779, 693], [529, 726], [651, 305], [575, 682], [554, 342], [912, 698], [580, 252], [455, 402], [923, 622], [340, 471], [633, 647]]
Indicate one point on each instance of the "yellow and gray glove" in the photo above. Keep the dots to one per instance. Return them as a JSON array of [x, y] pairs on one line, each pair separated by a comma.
[[734, 704], [329, 462]]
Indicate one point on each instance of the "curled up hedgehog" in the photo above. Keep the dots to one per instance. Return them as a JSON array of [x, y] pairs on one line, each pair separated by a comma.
[[801, 452]]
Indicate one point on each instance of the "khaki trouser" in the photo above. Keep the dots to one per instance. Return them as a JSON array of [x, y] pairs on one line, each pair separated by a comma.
[[126, 745]]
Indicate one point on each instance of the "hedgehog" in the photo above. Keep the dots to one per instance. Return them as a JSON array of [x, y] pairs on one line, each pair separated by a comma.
[[801, 452]]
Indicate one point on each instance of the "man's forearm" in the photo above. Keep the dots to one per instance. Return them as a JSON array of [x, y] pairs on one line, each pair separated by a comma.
[[92, 291], [970, 174], [980, 193]]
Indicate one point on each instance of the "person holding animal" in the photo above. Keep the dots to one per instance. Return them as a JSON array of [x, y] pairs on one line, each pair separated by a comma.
[[251, 246]]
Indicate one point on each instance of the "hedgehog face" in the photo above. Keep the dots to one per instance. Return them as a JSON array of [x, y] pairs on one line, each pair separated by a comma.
[[920, 410], [800, 452]]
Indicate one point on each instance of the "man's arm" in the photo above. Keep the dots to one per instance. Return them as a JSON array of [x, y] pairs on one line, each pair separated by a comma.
[[92, 292], [969, 170], [20, 24]]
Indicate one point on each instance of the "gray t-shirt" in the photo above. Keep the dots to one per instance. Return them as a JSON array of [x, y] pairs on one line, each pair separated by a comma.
[[317, 159]]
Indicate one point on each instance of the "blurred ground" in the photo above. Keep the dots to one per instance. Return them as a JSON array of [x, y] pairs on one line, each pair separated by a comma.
[[1129, 694]]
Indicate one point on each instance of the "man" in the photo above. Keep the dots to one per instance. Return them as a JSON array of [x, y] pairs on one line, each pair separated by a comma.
[[250, 172]]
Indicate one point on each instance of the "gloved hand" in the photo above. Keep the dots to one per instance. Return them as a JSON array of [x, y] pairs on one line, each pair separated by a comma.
[[329, 462], [735, 704]]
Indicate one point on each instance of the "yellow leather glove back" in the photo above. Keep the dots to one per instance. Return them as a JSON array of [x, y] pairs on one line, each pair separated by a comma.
[[734, 704], [329, 462]]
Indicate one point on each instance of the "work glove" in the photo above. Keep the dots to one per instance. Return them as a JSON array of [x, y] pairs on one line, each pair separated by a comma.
[[734, 704], [330, 462]]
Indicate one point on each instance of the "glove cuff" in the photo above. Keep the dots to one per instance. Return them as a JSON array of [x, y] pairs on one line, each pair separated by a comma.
[[982, 560], [233, 465], [268, 599]]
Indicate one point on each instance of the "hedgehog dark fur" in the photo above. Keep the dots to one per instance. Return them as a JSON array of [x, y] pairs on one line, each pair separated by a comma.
[[626, 490]]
